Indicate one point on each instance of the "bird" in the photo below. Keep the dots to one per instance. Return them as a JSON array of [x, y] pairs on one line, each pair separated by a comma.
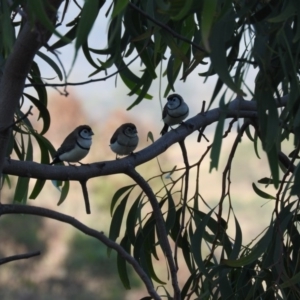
[[174, 112], [124, 140], [75, 146]]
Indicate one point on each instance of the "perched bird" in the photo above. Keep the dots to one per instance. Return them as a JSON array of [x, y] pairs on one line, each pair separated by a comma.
[[124, 140], [75, 146], [174, 112]]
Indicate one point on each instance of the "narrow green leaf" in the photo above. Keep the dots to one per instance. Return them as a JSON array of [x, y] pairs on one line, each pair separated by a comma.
[[21, 190], [187, 285], [217, 143], [226, 291], [273, 162], [261, 193], [218, 39], [146, 86], [296, 186], [116, 221], [119, 7], [186, 250], [44, 113], [29, 154], [237, 241], [196, 241], [150, 268], [265, 180], [38, 12], [171, 214], [37, 188], [51, 63], [288, 11], [64, 192], [207, 19], [217, 89], [38, 84], [118, 194], [89, 14], [45, 147], [6, 179], [121, 264], [150, 137], [291, 281], [67, 38], [256, 252], [141, 238], [132, 217]]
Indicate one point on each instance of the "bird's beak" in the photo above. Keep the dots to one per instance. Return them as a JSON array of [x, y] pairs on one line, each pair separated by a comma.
[[92, 133]]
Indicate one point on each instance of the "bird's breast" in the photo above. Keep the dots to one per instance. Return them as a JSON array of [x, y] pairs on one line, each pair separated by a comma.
[[74, 155], [124, 145]]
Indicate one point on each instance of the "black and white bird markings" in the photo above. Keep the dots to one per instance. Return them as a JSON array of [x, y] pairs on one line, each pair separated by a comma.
[[174, 112], [75, 146], [124, 140]]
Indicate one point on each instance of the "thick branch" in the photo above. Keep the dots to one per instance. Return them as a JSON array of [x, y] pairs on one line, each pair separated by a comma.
[[15, 72], [237, 108], [43, 212]]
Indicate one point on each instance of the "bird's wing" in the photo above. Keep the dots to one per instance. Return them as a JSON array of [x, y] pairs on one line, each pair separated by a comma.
[[114, 137], [165, 111], [67, 145]]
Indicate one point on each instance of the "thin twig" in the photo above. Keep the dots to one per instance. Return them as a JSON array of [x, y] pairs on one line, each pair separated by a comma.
[[43, 212], [19, 120], [201, 130], [18, 256], [85, 196], [161, 228], [88, 81]]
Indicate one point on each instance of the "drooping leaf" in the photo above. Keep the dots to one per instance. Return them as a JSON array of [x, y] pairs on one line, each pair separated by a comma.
[[217, 143], [51, 63], [132, 217], [87, 19], [38, 12], [208, 15], [44, 113], [64, 192], [117, 218], [118, 194], [256, 252], [261, 193], [122, 265]]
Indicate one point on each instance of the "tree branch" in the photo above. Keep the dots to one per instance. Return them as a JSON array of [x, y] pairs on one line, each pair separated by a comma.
[[18, 256], [17, 67], [43, 212], [237, 108]]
